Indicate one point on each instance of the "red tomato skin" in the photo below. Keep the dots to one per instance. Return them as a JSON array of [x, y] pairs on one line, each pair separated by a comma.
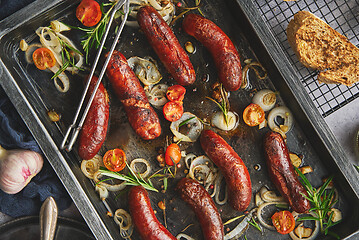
[[282, 219], [89, 13], [173, 151], [176, 93], [119, 164], [173, 110], [43, 58], [253, 108]]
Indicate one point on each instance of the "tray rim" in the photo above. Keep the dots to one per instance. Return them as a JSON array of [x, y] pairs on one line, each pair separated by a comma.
[[61, 167]]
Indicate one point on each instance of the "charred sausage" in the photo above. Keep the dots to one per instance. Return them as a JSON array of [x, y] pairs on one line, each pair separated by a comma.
[[202, 204], [144, 218], [142, 117], [166, 45], [224, 53], [232, 167], [282, 172], [94, 130]]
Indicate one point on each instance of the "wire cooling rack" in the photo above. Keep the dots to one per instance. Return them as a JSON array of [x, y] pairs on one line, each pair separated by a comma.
[[342, 15]]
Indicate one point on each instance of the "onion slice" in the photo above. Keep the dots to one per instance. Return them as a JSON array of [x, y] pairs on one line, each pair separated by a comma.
[[218, 120], [89, 167], [102, 191], [314, 233], [139, 161], [157, 95], [218, 190], [30, 50], [123, 219], [193, 132], [284, 113], [110, 187], [145, 70], [265, 98], [259, 214]]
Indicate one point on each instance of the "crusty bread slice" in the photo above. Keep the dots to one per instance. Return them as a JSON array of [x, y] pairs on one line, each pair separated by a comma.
[[320, 47]]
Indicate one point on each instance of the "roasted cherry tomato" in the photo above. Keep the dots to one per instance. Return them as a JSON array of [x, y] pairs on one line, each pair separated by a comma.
[[176, 93], [115, 160], [253, 115], [173, 154], [89, 13], [43, 58], [173, 110], [283, 221]]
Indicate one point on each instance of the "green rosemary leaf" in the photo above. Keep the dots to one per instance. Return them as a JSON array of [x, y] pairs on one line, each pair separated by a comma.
[[185, 121]]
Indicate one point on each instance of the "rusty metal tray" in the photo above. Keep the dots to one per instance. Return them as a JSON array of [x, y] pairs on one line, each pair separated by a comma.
[[33, 94]]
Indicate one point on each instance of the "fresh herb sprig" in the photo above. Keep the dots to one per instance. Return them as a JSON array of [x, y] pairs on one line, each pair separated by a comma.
[[93, 35], [255, 224], [224, 104], [67, 57], [132, 179], [322, 202]]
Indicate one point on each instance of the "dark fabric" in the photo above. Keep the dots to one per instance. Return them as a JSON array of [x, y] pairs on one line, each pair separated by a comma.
[[15, 135]]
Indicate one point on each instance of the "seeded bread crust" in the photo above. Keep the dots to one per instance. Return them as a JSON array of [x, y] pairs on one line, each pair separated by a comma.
[[318, 46]]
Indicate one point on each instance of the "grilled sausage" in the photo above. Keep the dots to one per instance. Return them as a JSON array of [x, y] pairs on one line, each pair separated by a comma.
[[142, 117], [94, 130], [144, 218], [202, 204], [232, 167], [166, 45], [224, 53], [282, 172]]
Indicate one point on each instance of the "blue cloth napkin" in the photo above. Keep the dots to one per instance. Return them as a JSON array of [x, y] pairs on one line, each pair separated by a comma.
[[15, 135]]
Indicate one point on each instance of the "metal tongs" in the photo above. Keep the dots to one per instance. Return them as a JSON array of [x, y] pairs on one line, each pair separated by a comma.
[[74, 127]]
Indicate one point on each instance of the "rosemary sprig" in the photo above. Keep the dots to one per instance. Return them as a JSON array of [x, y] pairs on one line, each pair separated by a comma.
[[186, 10], [131, 179], [255, 224], [67, 57], [185, 121], [224, 104], [322, 202], [93, 35]]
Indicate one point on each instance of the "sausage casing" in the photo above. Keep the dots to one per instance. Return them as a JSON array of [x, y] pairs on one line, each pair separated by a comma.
[[142, 117], [166, 45], [144, 218], [202, 204], [282, 173], [224, 53], [232, 167], [94, 129]]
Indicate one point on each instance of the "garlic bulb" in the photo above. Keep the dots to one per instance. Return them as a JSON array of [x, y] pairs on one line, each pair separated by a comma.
[[17, 168]]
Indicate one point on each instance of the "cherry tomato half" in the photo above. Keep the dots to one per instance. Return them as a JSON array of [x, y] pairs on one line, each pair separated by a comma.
[[89, 13], [176, 93], [43, 58], [253, 115], [173, 154], [283, 221], [115, 160], [173, 110]]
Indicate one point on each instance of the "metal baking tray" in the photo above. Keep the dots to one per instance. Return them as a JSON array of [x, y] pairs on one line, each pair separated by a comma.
[[33, 94]]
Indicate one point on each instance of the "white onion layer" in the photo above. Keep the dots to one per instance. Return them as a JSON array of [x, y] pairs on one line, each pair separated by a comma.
[[194, 131], [265, 98], [282, 112], [219, 121], [141, 161], [314, 233]]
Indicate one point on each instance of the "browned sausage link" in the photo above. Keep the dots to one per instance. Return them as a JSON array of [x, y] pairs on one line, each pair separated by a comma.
[[232, 167], [94, 130], [142, 117], [144, 218], [224, 54], [166, 45], [202, 204], [282, 172]]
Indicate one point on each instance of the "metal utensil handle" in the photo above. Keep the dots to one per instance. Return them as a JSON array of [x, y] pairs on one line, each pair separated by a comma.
[[77, 129], [48, 219]]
